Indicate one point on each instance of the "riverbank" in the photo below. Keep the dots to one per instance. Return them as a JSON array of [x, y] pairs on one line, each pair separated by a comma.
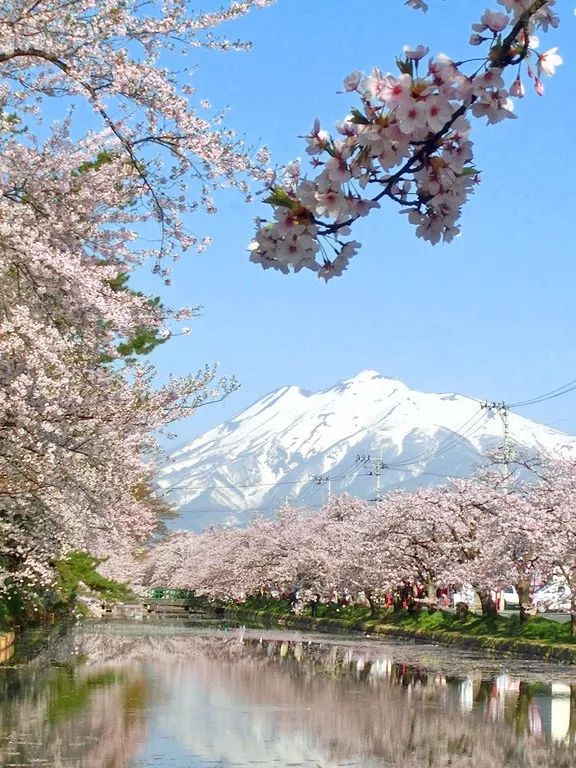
[[537, 638]]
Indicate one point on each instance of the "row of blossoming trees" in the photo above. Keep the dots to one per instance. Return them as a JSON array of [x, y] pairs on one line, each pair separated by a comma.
[[489, 531]]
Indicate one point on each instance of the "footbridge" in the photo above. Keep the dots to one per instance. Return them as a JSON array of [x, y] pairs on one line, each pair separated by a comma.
[[159, 601]]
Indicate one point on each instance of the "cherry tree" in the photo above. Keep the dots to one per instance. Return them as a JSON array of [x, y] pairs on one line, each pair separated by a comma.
[[522, 546], [308, 556], [207, 563], [78, 407], [291, 553], [554, 501], [408, 141], [358, 560], [78, 410], [470, 535]]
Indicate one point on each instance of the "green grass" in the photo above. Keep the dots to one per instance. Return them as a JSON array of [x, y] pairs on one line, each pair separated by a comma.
[[268, 605], [536, 628], [348, 614], [438, 625]]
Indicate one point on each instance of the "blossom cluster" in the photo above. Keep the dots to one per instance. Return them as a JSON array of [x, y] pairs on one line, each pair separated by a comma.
[[408, 141]]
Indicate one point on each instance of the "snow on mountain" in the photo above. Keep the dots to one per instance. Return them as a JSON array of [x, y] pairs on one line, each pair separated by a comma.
[[271, 452]]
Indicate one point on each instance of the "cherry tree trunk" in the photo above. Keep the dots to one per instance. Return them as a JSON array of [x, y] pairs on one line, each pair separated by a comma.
[[371, 602], [572, 724], [489, 610], [431, 594], [523, 589], [314, 605]]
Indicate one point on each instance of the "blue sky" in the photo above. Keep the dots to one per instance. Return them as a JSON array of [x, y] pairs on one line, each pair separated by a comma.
[[492, 315]]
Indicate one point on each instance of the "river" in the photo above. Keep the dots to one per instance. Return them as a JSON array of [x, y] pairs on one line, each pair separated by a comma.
[[133, 695]]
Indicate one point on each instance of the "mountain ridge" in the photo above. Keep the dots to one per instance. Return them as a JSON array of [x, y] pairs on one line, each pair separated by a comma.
[[270, 452]]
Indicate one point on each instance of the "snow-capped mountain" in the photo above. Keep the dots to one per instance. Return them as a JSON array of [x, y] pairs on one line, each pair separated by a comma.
[[286, 445]]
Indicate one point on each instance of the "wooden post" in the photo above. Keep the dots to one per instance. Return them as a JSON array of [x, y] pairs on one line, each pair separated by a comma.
[[6, 646]]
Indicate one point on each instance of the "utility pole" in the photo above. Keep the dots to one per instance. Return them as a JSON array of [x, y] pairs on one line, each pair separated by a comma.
[[378, 465], [507, 449], [321, 480], [507, 452]]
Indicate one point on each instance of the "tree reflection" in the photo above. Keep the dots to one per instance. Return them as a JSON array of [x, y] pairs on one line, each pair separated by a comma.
[[71, 714], [235, 698]]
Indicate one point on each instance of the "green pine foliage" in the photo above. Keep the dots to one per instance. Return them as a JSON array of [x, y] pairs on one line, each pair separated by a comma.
[[81, 567]]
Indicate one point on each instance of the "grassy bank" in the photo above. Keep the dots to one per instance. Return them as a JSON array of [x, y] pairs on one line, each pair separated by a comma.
[[538, 637]]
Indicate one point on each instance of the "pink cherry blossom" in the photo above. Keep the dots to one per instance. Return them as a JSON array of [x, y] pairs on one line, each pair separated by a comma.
[[488, 531], [495, 21], [517, 89], [416, 53], [548, 61]]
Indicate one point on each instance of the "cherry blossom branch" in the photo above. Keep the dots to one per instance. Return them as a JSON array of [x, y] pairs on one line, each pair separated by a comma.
[[415, 125]]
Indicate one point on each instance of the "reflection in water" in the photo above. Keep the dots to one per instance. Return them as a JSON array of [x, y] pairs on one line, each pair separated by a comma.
[[118, 697], [69, 715]]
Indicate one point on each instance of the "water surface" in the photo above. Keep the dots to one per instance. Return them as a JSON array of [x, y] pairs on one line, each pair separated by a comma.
[[131, 695]]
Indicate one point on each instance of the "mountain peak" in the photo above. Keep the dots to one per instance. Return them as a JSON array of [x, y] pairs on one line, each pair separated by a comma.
[[367, 376], [271, 452]]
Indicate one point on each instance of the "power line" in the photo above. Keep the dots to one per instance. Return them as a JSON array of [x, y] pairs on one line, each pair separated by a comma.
[[347, 471], [315, 484], [432, 474], [232, 485], [563, 390], [446, 444], [314, 487], [451, 441], [310, 491], [561, 421], [184, 487], [230, 511]]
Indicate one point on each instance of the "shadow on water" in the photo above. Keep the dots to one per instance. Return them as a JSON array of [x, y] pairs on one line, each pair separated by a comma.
[[129, 695]]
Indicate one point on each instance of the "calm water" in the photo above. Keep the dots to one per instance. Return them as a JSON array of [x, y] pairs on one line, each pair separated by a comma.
[[122, 695]]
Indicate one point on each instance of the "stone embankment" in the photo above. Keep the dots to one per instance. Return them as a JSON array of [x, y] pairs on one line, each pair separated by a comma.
[[502, 646], [168, 609]]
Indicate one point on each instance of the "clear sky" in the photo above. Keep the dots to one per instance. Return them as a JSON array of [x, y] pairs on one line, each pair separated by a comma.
[[492, 315]]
